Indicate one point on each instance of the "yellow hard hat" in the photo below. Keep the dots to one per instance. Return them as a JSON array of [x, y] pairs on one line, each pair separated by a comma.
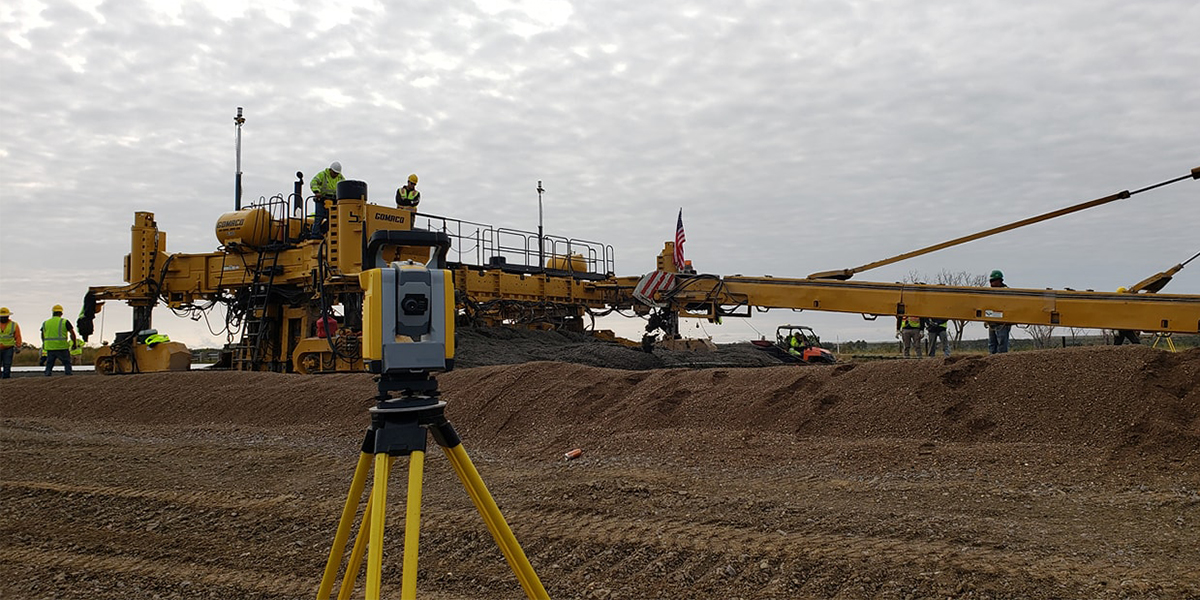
[[57, 308], [1121, 290], [4, 312], [412, 178]]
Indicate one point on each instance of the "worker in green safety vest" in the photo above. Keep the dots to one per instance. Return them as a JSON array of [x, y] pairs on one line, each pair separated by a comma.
[[10, 342], [407, 194], [909, 330], [324, 189], [156, 339], [58, 336]]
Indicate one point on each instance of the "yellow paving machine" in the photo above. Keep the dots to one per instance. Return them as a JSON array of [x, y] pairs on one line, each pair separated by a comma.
[[293, 302]]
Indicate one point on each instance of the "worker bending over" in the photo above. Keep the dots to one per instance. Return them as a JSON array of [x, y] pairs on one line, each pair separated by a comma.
[[1121, 336], [937, 330]]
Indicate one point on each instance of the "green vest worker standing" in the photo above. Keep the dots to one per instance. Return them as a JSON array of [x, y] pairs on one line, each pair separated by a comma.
[[908, 329], [407, 195], [10, 342], [55, 341], [324, 189], [324, 184]]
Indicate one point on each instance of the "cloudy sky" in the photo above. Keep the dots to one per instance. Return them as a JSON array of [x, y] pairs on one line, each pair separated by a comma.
[[797, 136]]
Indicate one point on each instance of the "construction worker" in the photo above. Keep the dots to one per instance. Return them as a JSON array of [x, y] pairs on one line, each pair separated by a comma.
[[997, 332], [407, 194], [937, 329], [796, 343], [909, 329], [324, 189], [1121, 336], [55, 344], [10, 342], [156, 339]]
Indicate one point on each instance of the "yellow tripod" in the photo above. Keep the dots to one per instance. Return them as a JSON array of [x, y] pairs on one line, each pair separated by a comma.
[[398, 428], [1160, 337]]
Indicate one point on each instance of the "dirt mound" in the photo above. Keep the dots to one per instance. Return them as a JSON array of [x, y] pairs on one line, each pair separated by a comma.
[[1117, 399], [1121, 400], [1057, 474]]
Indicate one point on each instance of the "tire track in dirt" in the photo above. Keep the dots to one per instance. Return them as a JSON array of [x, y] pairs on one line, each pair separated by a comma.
[[706, 556], [577, 529], [175, 571], [277, 504], [695, 538]]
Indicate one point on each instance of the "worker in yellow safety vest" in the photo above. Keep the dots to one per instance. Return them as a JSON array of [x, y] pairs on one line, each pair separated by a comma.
[[55, 344], [10, 342], [157, 339], [796, 344], [324, 189], [909, 330], [407, 195]]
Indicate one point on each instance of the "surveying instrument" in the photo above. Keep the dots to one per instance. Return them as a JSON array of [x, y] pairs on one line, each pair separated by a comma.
[[408, 334]]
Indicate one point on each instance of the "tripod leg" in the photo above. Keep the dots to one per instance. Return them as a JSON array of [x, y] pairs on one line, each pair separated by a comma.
[[486, 505], [412, 526], [383, 467], [356, 555], [343, 531]]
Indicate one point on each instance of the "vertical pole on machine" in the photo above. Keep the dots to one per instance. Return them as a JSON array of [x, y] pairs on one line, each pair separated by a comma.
[[541, 246], [237, 180]]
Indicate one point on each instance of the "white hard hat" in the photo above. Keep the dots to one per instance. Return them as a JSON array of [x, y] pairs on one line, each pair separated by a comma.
[[336, 167]]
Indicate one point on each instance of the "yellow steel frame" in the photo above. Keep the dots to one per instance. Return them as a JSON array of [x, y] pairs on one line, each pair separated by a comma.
[[183, 279], [701, 297]]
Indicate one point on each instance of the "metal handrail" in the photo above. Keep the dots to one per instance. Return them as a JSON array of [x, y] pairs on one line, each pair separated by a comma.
[[515, 247]]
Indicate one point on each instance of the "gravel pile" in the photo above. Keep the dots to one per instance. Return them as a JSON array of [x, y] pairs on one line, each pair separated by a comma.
[[1119, 400], [478, 347]]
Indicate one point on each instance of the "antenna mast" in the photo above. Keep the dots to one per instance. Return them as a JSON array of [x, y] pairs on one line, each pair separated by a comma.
[[541, 243], [237, 181]]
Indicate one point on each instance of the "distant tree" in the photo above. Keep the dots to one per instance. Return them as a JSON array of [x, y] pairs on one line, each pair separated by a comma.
[[1076, 333], [959, 279], [1043, 335]]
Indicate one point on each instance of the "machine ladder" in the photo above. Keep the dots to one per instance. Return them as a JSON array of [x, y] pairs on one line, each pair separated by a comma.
[[256, 324]]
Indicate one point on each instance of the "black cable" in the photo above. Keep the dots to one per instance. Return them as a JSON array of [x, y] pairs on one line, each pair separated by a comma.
[[1190, 259], [1158, 185]]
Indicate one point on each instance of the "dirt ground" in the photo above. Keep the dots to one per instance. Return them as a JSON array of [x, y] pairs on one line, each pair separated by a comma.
[[1056, 474]]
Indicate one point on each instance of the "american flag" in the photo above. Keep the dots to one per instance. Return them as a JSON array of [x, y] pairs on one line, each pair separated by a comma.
[[679, 239]]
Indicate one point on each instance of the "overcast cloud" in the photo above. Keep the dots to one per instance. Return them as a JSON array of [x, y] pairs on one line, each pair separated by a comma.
[[797, 136]]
